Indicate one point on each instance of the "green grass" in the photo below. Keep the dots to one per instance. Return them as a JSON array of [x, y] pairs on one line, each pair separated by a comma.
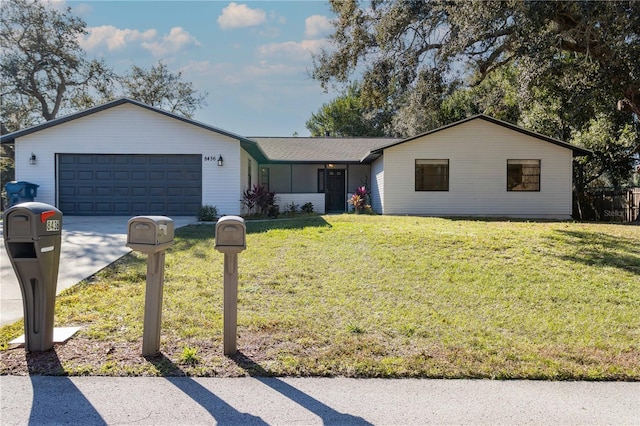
[[378, 296]]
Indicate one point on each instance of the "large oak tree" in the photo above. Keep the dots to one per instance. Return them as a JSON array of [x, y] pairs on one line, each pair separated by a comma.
[[571, 69], [43, 69]]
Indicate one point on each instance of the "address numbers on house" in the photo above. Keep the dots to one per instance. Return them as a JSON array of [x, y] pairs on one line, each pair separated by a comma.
[[210, 158]]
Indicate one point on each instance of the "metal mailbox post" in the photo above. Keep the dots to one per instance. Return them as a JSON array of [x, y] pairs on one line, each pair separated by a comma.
[[151, 235], [32, 237], [230, 239]]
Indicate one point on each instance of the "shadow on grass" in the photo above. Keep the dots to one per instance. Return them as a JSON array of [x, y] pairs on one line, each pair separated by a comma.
[[220, 410], [594, 248], [327, 414], [188, 236]]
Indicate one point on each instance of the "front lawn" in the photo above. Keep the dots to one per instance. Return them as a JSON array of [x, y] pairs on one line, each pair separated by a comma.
[[370, 296]]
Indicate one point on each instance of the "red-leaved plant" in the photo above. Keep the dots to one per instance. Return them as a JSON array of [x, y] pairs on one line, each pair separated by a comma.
[[359, 199]]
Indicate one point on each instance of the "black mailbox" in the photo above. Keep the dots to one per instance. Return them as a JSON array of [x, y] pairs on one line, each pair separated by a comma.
[[32, 237]]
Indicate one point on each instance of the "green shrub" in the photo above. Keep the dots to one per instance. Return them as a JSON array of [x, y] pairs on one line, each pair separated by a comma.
[[207, 214], [291, 208]]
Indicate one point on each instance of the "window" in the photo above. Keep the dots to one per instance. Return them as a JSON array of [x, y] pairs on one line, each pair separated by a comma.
[[249, 172], [523, 175], [320, 180], [432, 175], [264, 177]]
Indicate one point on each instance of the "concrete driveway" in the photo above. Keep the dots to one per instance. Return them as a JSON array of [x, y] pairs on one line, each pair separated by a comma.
[[88, 245]]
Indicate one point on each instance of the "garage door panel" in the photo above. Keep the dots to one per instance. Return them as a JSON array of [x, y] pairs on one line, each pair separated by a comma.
[[66, 191], [85, 191], [120, 175], [87, 208], [104, 191], [138, 175], [121, 191], [121, 208], [99, 184], [159, 175], [139, 192], [84, 175], [158, 160], [67, 175]]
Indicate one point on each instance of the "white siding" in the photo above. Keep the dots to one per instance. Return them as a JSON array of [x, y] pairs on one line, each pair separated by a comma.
[[477, 151], [377, 185], [317, 199], [129, 129]]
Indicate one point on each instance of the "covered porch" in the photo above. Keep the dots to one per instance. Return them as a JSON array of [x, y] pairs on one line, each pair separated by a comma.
[[328, 186]]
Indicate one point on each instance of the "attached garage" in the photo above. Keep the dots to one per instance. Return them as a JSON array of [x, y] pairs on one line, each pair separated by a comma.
[[125, 158], [119, 184]]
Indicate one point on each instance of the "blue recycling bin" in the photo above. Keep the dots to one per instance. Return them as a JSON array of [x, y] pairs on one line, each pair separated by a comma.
[[20, 192]]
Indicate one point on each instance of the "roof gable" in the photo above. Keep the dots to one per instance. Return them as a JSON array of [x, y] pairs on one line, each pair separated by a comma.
[[247, 144], [577, 151]]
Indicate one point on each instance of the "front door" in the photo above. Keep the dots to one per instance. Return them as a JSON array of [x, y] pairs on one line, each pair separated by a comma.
[[336, 196]]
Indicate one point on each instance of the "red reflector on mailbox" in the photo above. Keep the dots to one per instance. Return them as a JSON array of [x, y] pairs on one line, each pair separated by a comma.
[[45, 215]]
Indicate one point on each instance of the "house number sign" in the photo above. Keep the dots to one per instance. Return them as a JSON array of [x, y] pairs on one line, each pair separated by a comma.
[[210, 158], [53, 225]]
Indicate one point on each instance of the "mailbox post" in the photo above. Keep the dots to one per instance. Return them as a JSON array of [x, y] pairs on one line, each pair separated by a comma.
[[32, 237], [151, 235], [230, 240]]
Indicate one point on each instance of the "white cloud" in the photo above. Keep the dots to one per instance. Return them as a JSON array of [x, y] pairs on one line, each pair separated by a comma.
[[317, 26], [177, 39], [264, 69], [113, 38], [240, 16], [221, 72], [117, 39], [292, 49], [82, 9]]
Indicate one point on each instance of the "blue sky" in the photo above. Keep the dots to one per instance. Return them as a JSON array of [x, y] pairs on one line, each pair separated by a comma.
[[253, 58]]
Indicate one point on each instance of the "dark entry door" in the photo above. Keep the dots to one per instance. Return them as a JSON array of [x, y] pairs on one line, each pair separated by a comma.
[[336, 195]]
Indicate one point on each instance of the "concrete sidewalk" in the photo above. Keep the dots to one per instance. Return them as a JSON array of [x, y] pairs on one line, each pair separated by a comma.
[[88, 245], [302, 401]]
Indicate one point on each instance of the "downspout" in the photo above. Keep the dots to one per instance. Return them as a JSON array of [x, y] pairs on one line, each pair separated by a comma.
[[345, 204], [326, 191]]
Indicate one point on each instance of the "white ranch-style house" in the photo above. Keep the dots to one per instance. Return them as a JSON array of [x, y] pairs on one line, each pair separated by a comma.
[[128, 158]]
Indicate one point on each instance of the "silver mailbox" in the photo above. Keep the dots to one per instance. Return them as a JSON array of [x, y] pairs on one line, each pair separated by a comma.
[[150, 234], [231, 234]]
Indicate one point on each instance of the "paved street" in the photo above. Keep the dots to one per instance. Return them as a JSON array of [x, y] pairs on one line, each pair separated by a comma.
[[40, 400]]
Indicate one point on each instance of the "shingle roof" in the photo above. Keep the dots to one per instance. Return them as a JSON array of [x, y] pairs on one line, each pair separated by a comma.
[[319, 150]]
